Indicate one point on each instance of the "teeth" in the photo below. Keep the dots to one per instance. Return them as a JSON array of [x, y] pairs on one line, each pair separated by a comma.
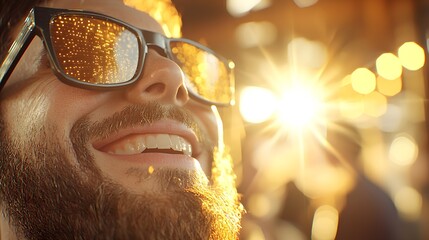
[[163, 141], [175, 143], [137, 144], [141, 146], [151, 141]]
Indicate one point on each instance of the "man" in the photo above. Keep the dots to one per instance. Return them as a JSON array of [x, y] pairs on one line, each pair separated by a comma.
[[366, 210], [380, 219], [109, 130]]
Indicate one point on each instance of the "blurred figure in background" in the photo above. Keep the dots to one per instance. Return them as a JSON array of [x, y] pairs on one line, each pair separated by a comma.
[[367, 212]]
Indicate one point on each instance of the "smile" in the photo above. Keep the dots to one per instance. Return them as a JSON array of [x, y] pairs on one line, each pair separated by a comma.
[[149, 143], [166, 138]]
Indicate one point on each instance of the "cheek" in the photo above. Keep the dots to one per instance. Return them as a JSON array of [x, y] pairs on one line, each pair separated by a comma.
[[69, 104], [24, 112], [46, 102]]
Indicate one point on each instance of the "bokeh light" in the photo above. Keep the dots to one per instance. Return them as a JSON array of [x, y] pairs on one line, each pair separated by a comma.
[[252, 230], [259, 205], [389, 87], [323, 181], [325, 223], [305, 3], [409, 202], [286, 230], [257, 104], [363, 81], [255, 34], [305, 53], [411, 55], [403, 150], [389, 66], [239, 8]]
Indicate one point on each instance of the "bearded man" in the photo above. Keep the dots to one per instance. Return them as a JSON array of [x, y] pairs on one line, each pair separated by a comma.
[[109, 128]]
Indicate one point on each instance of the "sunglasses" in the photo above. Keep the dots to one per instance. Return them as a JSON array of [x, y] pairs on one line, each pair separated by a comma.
[[94, 51]]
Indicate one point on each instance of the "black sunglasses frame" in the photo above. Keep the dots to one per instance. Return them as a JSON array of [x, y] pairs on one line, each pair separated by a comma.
[[37, 23]]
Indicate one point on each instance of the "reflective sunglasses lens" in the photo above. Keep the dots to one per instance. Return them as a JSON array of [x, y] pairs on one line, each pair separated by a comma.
[[208, 76], [94, 50]]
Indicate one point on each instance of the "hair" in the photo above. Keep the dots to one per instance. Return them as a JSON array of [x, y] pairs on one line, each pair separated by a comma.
[[11, 14]]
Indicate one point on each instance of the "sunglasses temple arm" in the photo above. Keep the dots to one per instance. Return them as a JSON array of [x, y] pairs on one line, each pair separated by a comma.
[[17, 50]]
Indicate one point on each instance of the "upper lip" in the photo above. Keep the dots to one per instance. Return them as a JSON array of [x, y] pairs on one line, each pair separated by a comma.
[[159, 127]]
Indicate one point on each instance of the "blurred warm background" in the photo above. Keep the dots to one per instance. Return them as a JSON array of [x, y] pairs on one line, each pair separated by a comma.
[[332, 94]]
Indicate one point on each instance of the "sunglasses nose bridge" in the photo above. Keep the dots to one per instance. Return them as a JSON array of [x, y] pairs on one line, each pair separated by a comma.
[[156, 41], [162, 80], [159, 49]]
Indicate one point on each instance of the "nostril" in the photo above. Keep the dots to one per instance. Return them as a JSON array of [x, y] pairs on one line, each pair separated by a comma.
[[182, 95], [156, 88], [160, 89]]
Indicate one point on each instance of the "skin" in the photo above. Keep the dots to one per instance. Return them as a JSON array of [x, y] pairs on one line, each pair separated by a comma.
[[34, 97]]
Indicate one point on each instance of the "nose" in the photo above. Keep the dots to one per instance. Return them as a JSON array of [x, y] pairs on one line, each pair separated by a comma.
[[162, 81]]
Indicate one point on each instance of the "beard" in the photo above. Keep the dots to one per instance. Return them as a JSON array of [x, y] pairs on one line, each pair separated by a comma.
[[45, 196]]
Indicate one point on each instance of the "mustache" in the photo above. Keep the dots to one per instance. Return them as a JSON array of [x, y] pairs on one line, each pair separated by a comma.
[[135, 115]]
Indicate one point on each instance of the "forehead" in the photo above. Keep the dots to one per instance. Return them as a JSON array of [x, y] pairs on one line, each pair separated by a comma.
[[113, 8]]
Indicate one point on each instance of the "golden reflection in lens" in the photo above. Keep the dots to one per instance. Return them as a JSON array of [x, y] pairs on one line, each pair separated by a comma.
[[207, 75], [94, 50]]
